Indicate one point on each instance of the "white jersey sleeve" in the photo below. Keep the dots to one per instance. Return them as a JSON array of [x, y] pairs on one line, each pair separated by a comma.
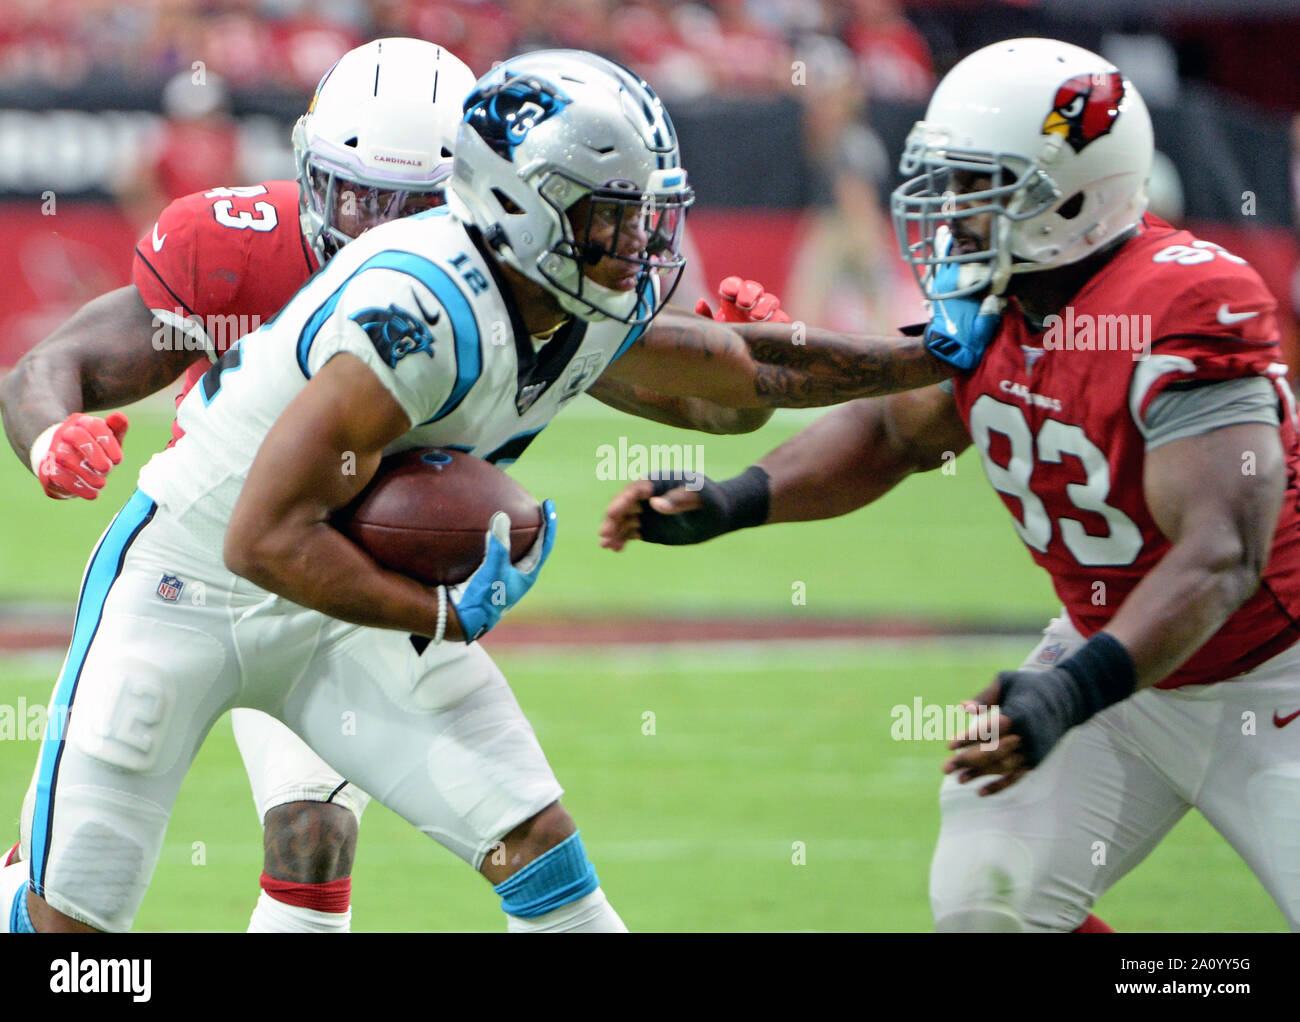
[[393, 321]]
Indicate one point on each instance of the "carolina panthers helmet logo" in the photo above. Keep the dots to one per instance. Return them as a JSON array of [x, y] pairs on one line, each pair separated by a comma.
[[1085, 108], [395, 333], [504, 112]]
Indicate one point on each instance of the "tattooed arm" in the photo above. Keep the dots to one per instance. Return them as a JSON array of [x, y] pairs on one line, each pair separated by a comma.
[[771, 365], [109, 353], [672, 410]]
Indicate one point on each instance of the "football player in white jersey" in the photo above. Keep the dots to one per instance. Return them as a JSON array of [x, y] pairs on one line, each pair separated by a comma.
[[468, 326], [374, 144]]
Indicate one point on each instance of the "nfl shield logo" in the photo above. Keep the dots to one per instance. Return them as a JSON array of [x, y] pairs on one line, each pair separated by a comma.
[[170, 588], [1051, 654]]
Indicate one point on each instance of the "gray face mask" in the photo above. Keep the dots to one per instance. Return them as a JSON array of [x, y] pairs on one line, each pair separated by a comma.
[[341, 210]]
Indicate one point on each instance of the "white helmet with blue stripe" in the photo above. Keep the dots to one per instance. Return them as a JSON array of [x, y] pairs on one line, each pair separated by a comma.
[[546, 130]]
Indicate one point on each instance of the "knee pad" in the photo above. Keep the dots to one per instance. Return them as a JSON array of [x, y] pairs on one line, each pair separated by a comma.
[[991, 883], [100, 857], [979, 883], [562, 875]]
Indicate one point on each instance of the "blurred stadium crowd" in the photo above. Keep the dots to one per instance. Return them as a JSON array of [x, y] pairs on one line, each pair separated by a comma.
[[827, 87], [686, 48]]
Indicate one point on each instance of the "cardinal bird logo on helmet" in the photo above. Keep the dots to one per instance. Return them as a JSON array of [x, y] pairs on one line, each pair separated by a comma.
[[1085, 108]]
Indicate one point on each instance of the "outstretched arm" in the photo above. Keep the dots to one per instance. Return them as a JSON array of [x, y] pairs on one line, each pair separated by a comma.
[[673, 410], [846, 459], [771, 365], [856, 454], [111, 352]]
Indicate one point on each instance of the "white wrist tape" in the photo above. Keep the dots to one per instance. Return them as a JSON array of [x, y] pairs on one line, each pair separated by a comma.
[[442, 616], [41, 447]]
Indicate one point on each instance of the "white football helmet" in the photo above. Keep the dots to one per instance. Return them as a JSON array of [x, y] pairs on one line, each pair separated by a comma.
[[547, 129], [1065, 142], [377, 139]]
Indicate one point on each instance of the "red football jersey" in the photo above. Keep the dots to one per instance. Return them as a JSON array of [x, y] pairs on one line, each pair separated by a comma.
[[1055, 419], [230, 257]]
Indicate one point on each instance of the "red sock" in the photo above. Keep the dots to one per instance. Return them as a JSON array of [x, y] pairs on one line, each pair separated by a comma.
[[1093, 925], [331, 896]]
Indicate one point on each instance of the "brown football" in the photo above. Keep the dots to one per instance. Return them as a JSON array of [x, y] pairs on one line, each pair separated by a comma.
[[426, 514]]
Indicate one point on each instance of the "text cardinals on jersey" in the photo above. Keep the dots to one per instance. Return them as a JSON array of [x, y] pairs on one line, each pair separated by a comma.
[[1058, 432]]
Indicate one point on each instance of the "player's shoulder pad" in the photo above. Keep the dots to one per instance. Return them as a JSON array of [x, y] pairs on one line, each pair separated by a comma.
[[1208, 315], [399, 311], [193, 218], [437, 235], [163, 266], [1191, 287], [405, 316], [230, 217], [435, 249], [205, 246]]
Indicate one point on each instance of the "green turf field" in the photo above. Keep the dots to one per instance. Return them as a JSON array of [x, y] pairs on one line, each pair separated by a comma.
[[695, 826], [760, 757]]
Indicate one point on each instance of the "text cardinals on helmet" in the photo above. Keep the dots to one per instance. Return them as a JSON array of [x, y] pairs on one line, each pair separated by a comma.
[[376, 142]]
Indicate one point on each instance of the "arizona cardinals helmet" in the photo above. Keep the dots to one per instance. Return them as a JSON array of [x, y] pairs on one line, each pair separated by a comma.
[[1064, 142], [544, 131], [377, 139]]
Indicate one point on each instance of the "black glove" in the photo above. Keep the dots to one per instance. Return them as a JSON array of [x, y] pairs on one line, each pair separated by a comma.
[[726, 506], [1043, 705]]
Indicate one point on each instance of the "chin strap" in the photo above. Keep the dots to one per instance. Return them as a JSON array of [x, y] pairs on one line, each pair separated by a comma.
[[1000, 269]]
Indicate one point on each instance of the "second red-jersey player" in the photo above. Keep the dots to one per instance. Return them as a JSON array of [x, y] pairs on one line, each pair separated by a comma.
[[223, 261]]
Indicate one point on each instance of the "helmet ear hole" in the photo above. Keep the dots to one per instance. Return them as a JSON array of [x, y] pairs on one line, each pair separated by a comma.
[[507, 203], [1071, 207]]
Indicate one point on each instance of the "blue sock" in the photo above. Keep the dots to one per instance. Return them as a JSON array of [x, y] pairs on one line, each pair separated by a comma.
[[563, 874], [19, 920]]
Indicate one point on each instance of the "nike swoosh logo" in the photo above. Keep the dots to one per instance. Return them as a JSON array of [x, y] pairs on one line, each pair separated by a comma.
[[158, 242], [429, 318], [1284, 721], [1227, 318]]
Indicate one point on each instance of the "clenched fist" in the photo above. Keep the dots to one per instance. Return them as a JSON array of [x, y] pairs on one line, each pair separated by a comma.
[[81, 451], [744, 301]]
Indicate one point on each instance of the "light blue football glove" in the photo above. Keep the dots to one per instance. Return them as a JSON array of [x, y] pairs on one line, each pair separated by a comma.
[[960, 328], [498, 585]]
